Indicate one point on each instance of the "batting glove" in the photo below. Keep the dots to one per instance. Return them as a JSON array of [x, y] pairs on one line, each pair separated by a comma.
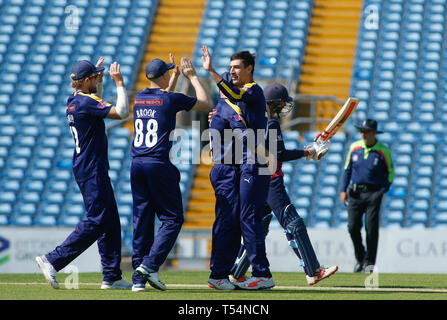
[[321, 149]]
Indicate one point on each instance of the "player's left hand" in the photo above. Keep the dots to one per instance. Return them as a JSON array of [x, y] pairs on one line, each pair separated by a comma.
[[187, 68], [115, 74], [176, 70], [206, 59]]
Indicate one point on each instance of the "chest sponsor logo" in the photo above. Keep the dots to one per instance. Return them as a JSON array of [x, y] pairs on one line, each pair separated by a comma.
[[376, 161], [152, 102]]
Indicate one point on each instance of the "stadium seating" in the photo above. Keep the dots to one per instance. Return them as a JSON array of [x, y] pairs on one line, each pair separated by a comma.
[[39, 42], [274, 30], [398, 75]]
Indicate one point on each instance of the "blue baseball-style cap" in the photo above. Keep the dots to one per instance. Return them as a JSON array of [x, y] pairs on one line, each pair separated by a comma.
[[85, 68], [276, 91], [157, 67]]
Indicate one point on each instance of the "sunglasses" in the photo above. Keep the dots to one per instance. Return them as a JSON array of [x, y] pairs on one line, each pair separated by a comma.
[[96, 76]]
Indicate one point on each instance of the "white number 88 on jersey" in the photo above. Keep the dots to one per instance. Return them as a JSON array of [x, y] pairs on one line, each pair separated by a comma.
[[150, 138]]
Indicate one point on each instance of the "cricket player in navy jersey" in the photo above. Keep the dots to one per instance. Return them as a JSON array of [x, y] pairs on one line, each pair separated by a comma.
[[85, 114], [248, 96], [278, 104], [225, 178], [154, 179]]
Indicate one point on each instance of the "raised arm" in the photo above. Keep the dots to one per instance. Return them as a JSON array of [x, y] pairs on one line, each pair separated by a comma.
[[207, 65], [121, 110], [174, 76], [190, 73], [99, 79]]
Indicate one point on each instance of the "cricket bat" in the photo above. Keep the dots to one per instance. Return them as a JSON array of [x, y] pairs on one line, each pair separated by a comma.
[[337, 122]]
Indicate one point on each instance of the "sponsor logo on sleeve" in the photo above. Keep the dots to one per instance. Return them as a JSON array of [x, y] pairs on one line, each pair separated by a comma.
[[71, 107], [102, 104]]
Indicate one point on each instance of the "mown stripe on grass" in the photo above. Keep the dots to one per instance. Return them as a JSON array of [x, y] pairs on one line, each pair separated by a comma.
[[388, 289]]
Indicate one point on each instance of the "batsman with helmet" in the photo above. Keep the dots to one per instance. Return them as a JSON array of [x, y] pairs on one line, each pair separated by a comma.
[[279, 103]]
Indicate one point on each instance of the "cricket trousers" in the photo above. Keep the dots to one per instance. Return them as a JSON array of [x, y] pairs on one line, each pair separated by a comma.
[[278, 199], [253, 190], [226, 232], [155, 191], [102, 224], [367, 203]]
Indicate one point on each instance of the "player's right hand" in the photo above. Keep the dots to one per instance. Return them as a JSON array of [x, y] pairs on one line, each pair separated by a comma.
[[101, 74], [309, 152]]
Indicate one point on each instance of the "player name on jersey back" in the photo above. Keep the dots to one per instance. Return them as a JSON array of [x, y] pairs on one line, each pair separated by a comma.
[[145, 113]]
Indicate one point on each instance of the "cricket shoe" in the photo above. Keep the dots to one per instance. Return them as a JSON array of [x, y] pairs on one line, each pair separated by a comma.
[[323, 273], [116, 285], [48, 271], [221, 284], [256, 283], [240, 279], [151, 276], [139, 287]]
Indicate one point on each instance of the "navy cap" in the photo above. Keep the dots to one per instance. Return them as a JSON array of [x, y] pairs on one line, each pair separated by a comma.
[[157, 67], [275, 91], [369, 125], [84, 68]]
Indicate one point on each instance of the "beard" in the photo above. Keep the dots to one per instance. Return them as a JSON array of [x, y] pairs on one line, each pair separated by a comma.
[[93, 89]]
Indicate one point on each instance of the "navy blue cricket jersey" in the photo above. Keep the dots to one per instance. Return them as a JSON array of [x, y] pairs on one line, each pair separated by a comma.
[[85, 114], [250, 99], [154, 114], [227, 117]]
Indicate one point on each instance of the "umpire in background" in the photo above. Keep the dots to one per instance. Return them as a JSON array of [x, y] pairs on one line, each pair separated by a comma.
[[369, 169]]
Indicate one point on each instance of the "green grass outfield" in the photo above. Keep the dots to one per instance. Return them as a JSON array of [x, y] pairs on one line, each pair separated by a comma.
[[191, 285]]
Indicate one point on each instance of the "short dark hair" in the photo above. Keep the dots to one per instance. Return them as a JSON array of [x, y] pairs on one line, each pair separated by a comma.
[[247, 58]]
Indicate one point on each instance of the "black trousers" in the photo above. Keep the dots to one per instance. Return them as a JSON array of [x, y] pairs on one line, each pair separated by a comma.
[[368, 203]]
